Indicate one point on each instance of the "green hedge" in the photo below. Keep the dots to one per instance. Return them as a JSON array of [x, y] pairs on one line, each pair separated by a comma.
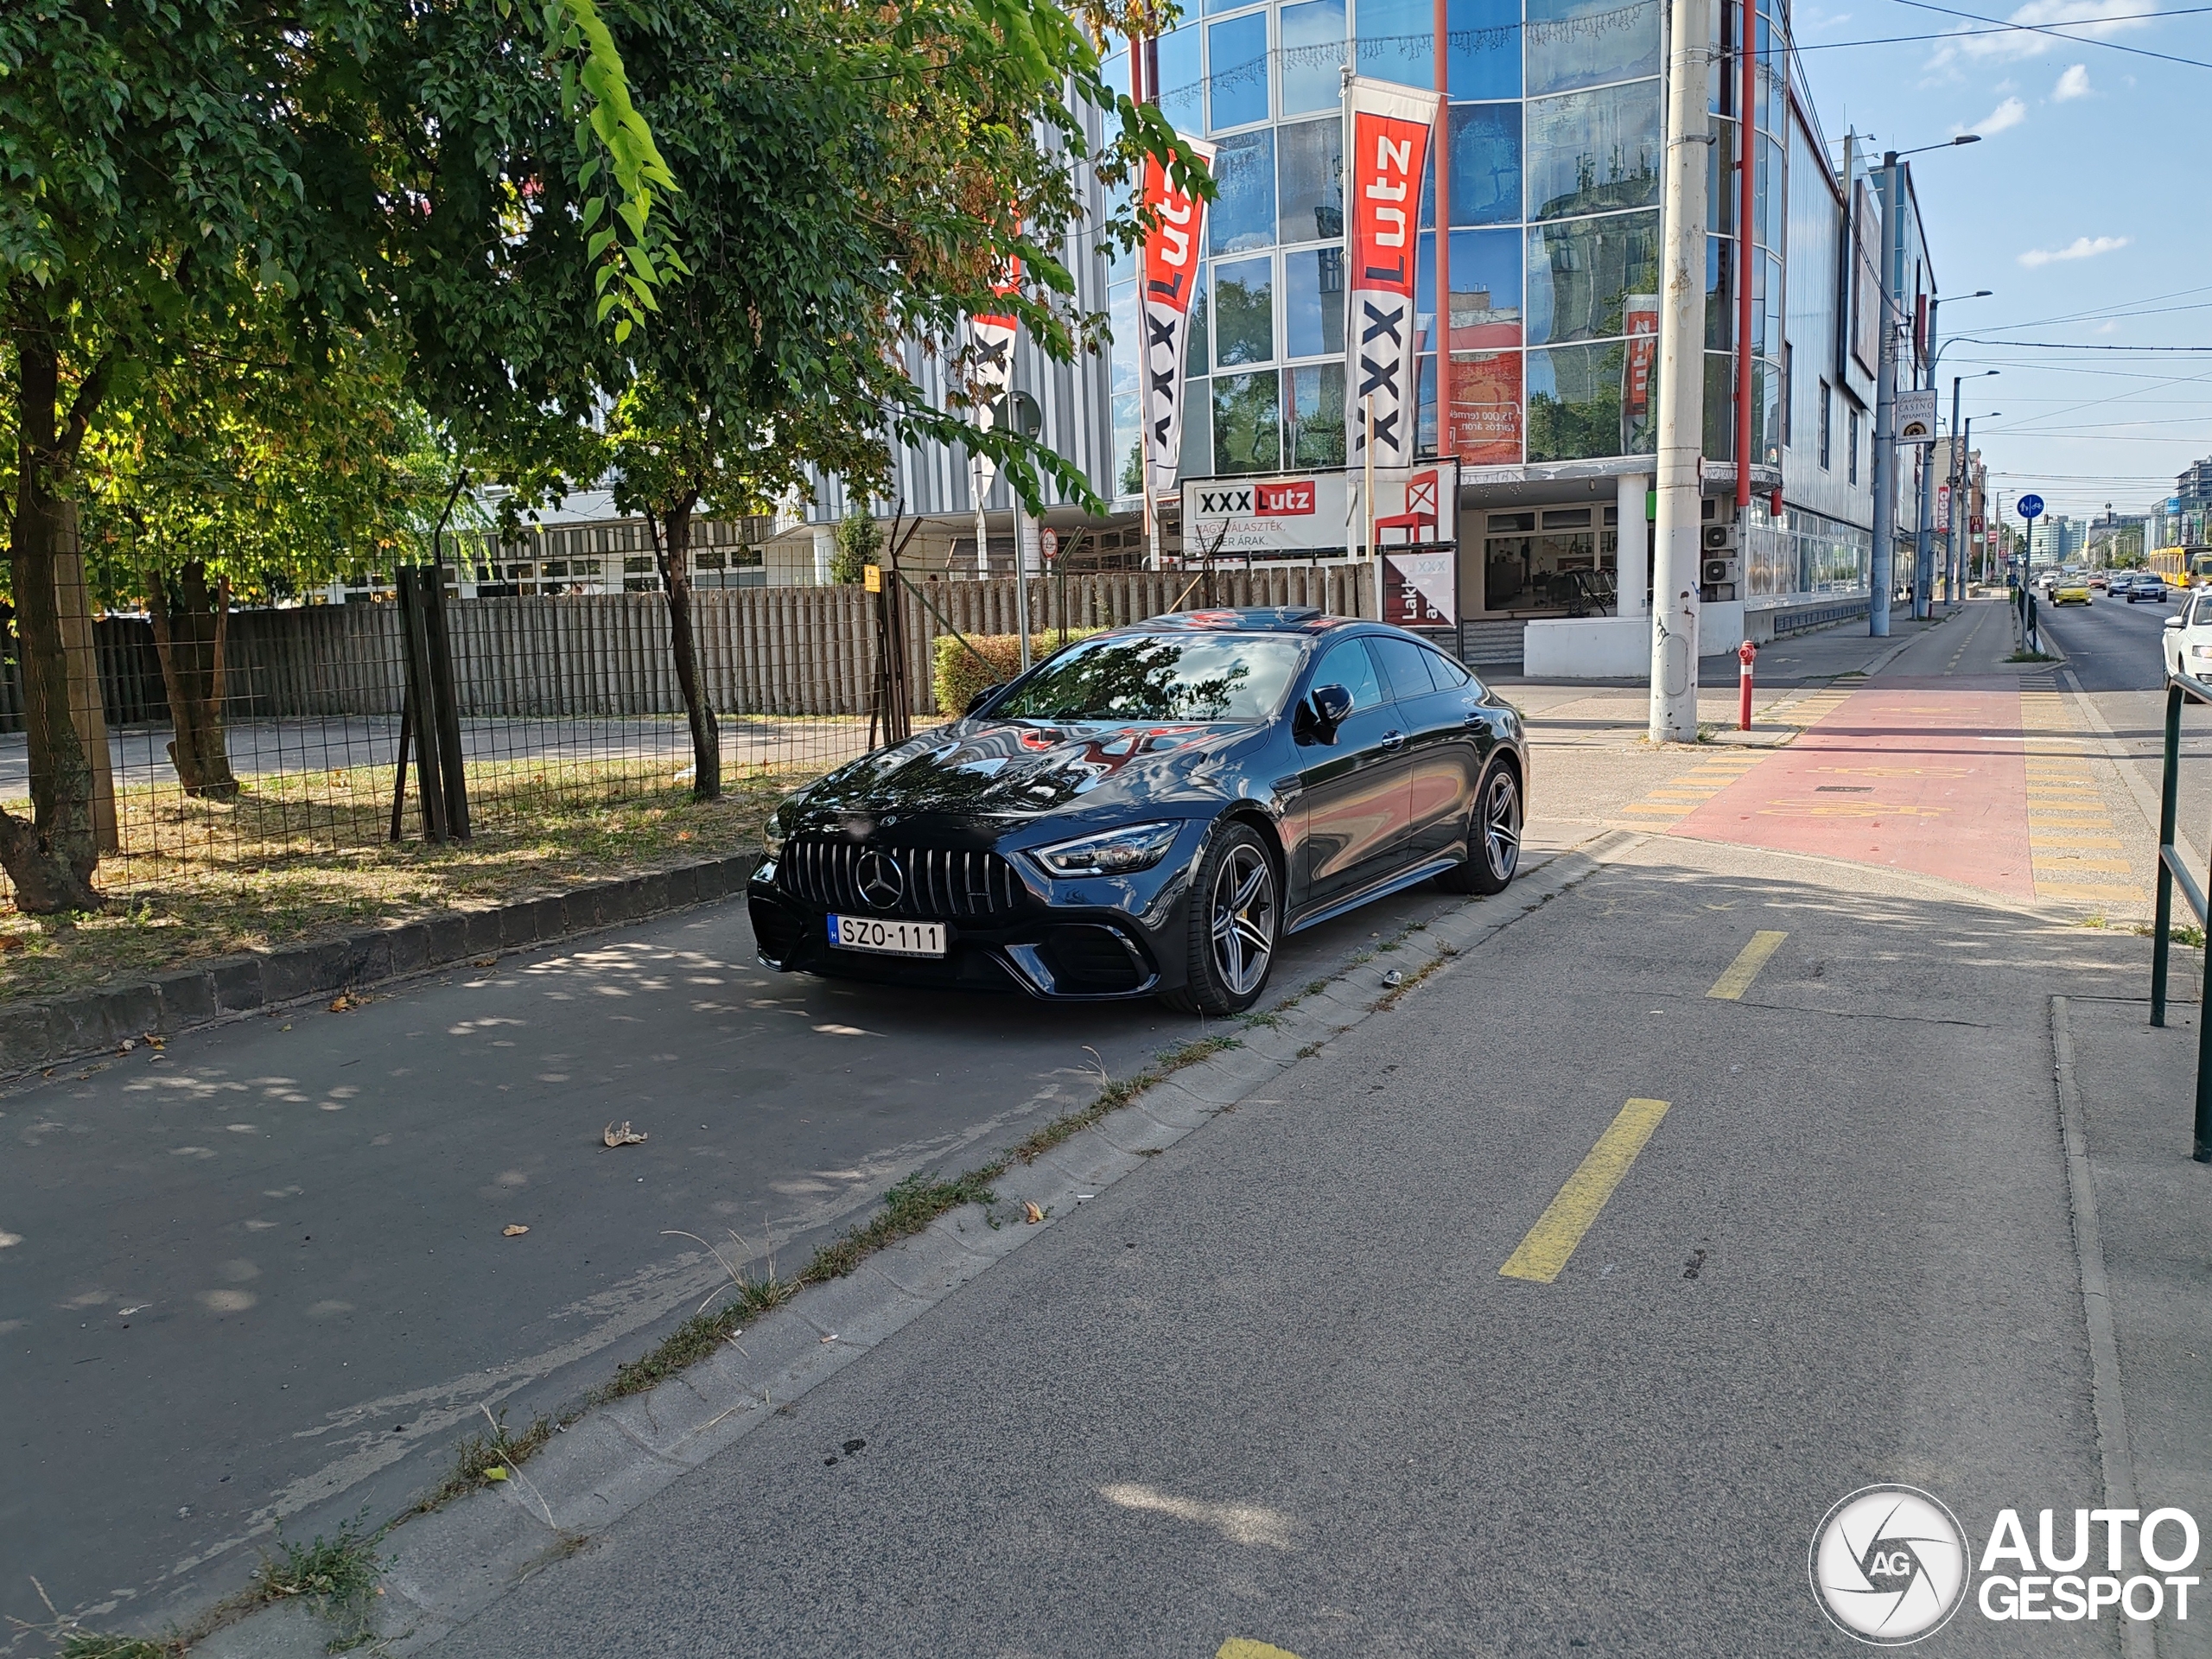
[[960, 677]]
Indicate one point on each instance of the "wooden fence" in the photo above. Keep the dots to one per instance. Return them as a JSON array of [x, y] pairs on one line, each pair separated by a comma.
[[765, 650]]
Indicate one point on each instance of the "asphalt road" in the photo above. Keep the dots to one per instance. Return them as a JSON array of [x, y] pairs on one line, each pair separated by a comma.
[[2113, 651], [1274, 1387], [262, 1273]]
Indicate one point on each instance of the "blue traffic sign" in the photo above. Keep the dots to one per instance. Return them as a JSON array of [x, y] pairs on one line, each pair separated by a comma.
[[2031, 506]]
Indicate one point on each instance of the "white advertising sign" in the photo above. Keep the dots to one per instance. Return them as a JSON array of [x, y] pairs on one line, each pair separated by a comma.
[[1917, 416], [1298, 513]]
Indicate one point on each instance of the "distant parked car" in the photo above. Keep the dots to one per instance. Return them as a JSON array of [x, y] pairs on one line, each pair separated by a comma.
[[2188, 639]]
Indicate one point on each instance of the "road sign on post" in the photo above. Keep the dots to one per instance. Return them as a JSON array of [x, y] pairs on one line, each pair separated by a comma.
[[2031, 506]]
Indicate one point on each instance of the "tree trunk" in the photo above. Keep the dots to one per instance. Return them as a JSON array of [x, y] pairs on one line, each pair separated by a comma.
[[188, 630], [675, 553], [50, 859]]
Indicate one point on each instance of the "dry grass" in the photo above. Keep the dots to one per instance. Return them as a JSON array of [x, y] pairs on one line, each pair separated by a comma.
[[266, 870]]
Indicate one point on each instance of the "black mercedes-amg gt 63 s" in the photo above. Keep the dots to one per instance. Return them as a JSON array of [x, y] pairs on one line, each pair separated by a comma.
[[1149, 812]]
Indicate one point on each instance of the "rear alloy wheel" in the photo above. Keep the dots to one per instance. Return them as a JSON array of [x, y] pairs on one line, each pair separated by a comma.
[[1493, 836], [1235, 916]]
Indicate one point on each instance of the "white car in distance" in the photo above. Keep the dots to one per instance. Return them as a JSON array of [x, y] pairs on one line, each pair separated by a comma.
[[2188, 637]]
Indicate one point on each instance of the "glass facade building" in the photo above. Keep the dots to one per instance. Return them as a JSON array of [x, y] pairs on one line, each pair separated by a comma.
[[1553, 176]]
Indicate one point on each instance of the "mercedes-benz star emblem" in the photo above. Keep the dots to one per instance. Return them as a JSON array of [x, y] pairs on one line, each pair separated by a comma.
[[882, 882]]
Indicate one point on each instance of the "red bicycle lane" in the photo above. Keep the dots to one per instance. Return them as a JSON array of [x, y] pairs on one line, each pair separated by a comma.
[[1925, 776]]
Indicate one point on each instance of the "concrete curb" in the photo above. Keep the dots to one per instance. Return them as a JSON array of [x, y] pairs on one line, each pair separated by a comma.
[[48, 1031], [445, 1568]]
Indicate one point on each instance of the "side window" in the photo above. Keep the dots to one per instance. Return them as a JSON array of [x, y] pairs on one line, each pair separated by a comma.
[[1348, 664], [1447, 674], [1404, 662]]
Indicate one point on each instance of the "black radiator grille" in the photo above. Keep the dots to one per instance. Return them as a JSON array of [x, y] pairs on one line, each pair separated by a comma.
[[935, 881]]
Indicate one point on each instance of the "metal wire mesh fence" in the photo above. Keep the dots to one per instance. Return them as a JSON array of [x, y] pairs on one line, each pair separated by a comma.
[[236, 742]]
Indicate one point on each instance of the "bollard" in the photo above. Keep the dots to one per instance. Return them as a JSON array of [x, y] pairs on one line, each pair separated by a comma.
[[1744, 654]]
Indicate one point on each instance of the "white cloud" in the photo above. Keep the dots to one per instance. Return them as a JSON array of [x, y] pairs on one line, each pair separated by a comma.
[[2006, 115], [2082, 19], [2107, 328], [2081, 247], [2073, 84]]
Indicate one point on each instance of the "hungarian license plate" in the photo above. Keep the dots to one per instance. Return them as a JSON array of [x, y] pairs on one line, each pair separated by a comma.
[[887, 938]]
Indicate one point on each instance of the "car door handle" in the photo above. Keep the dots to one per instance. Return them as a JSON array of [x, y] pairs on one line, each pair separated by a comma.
[[1475, 722], [1393, 740]]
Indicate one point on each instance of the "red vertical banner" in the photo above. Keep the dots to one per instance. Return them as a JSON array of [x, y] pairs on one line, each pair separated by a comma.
[[1172, 250], [1391, 127], [991, 337], [1639, 419]]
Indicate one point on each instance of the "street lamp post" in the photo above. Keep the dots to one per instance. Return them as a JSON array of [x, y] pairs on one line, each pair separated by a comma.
[[1958, 462], [1882, 574], [1959, 490], [1923, 561]]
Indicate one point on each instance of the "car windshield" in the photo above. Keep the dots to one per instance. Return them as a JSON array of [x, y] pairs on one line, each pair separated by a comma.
[[1197, 677]]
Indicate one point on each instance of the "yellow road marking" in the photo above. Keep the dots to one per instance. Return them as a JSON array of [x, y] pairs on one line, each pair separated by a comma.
[[1239, 1647], [1543, 1253], [1731, 985]]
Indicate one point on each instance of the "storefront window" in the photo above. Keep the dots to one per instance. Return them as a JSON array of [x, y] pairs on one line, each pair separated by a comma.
[[1312, 56], [1243, 214], [1482, 52], [1397, 41], [1586, 277], [1238, 84], [1317, 416], [1485, 164], [1594, 152], [1485, 408], [1577, 406], [1244, 312], [1182, 78], [1198, 430], [1124, 381], [1247, 422], [1312, 180], [1197, 354], [1557, 559], [1720, 292], [1314, 302], [1576, 43]]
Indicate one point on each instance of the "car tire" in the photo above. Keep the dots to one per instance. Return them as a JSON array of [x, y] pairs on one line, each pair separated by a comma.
[[1235, 925], [1493, 836]]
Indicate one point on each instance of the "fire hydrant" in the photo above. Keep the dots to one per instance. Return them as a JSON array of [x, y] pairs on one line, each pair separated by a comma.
[[1745, 655]]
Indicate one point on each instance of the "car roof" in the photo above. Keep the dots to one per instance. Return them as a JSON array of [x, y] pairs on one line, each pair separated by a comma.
[[1279, 618]]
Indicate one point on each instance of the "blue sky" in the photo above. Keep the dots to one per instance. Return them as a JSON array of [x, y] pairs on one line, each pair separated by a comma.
[[2087, 208]]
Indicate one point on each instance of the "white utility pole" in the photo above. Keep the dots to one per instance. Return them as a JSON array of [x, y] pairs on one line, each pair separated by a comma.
[[1677, 546]]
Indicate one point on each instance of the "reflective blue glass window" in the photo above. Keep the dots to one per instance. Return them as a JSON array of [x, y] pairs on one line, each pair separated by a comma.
[[1589, 42], [1397, 41], [1247, 421], [1197, 430], [1486, 163], [1198, 353], [1576, 411], [1585, 276], [1486, 287], [1314, 302], [1182, 79], [1121, 262], [1244, 312], [1243, 214], [1310, 182], [1238, 81], [1312, 56], [1482, 52], [1315, 417], [1594, 152], [1124, 379]]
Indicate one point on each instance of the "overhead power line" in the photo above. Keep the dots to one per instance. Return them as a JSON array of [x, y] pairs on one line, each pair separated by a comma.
[[2076, 40], [2001, 29]]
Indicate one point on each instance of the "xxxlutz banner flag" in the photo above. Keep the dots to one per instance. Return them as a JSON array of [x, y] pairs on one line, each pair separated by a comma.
[[1171, 273], [1390, 129], [993, 336]]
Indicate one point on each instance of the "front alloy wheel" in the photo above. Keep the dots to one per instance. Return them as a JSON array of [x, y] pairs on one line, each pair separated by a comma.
[[1235, 918], [1493, 836]]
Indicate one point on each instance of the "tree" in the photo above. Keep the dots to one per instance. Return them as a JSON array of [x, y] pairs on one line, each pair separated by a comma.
[[169, 162], [857, 181], [860, 541], [230, 471]]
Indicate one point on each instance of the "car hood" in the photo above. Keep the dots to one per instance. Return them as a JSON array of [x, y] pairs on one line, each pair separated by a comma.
[[1022, 769]]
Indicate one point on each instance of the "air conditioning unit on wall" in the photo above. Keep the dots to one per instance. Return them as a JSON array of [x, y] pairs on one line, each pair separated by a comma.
[[1719, 538], [1711, 571]]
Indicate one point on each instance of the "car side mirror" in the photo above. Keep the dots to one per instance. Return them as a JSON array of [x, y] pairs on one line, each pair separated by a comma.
[[982, 700], [1324, 710], [2174, 621]]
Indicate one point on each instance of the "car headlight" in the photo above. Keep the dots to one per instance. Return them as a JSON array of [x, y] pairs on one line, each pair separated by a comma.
[[771, 834], [2200, 650], [1118, 852]]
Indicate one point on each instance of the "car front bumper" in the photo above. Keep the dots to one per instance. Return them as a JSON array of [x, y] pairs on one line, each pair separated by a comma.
[[1059, 951]]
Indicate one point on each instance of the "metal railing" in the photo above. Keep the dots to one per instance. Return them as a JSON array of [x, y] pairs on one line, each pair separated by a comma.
[[2181, 688]]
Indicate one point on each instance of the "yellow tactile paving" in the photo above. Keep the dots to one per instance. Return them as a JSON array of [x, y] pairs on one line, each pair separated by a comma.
[[2070, 831], [1682, 796]]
